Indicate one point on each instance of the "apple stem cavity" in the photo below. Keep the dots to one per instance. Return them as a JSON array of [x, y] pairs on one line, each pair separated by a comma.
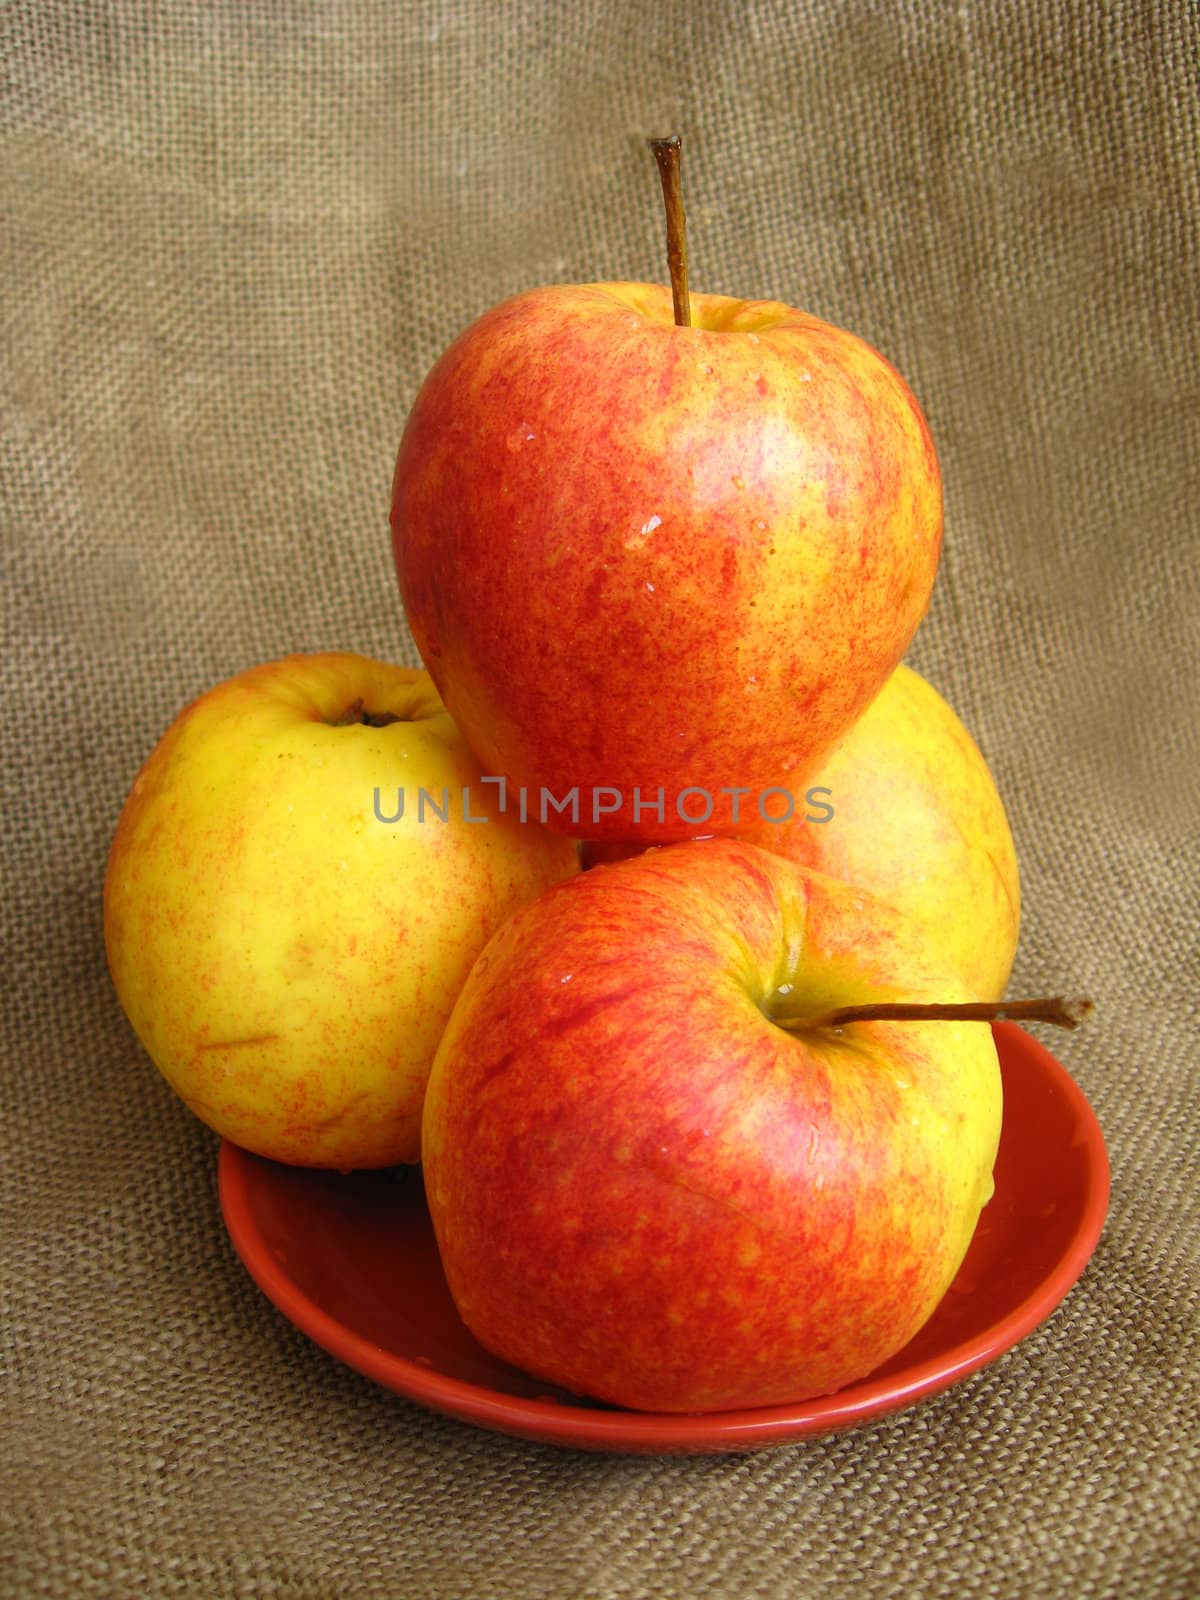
[[667, 153], [356, 713], [1057, 1010]]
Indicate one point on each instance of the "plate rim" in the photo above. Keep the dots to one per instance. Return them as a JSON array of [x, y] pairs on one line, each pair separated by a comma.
[[549, 1421]]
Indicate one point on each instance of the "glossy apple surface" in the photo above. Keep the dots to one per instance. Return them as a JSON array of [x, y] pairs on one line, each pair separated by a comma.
[[646, 1190], [288, 959], [637, 556], [917, 820]]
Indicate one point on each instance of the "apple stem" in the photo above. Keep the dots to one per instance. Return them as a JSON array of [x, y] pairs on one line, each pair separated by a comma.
[[1062, 1012], [667, 154], [356, 713]]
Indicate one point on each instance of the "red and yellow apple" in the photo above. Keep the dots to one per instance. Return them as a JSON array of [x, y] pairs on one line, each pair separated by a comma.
[[286, 952], [639, 557], [646, 1188], [917, 820]]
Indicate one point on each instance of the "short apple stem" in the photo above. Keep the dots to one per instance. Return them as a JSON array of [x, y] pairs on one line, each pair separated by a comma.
[[356, 713], [1058, 1010], [667, 154]]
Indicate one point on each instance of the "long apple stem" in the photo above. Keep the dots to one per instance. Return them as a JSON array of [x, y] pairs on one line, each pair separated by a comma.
[[667, 153], [1062, 1012]]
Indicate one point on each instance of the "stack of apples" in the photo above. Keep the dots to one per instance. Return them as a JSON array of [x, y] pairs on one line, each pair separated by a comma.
[[685, 1145]]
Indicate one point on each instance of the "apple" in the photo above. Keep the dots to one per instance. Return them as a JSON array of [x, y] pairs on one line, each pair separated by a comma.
[[907, 808], [286, 952], [659, 1178], [641, 559]]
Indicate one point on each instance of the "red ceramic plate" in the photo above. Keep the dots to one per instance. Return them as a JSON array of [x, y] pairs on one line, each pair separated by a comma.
[[352, 1262]]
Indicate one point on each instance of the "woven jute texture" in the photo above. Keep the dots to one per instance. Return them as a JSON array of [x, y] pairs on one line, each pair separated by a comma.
[[233, 240]]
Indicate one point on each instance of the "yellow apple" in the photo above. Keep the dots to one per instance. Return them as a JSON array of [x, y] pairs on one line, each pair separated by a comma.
[[287, 953], [919, 822], [916, 819]]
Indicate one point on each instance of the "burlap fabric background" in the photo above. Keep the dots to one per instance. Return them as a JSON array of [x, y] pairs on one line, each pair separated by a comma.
[[233, 240]]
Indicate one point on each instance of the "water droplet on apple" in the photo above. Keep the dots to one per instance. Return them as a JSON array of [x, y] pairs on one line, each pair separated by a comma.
[[566, 977], [649, 588], [651, 523], [738, 481], [785, 988], [519, 437]]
